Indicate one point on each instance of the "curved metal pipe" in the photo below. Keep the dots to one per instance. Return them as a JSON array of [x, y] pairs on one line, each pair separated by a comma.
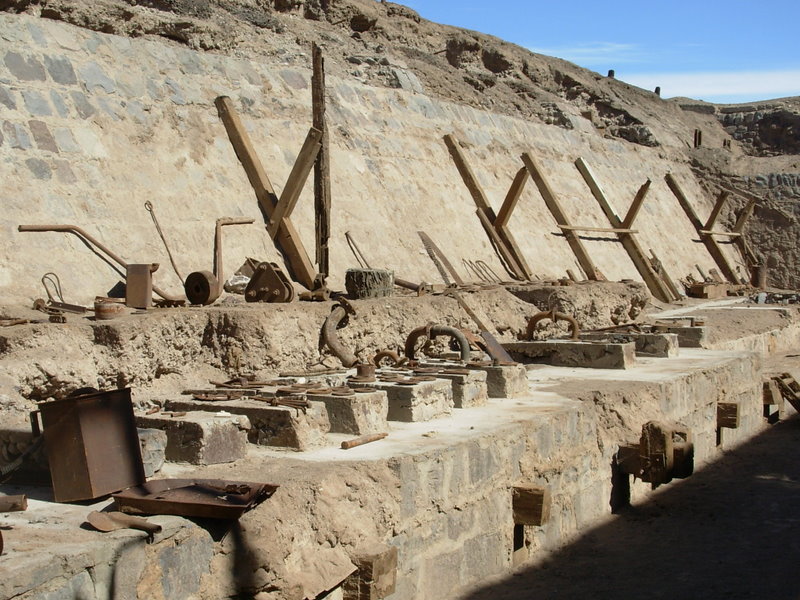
[[92, 240], [433, 331], [553, 316], [330, 337]]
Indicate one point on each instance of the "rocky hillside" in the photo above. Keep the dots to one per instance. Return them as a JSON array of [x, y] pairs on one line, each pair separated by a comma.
[[752, 150]]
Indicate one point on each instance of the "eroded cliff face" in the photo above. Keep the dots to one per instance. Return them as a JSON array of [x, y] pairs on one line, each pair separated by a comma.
[[80, 109]]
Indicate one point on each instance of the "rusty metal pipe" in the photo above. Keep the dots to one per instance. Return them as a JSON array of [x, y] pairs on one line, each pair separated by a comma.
[[330, 337], [435, 331], [554, 316], [93, 241]]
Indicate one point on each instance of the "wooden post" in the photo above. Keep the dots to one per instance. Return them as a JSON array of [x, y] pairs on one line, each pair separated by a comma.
[[287, 239], [721, 199], [552, 203], [638, 200], [711, 244], [654, 283], [495, 226], [322, 168]]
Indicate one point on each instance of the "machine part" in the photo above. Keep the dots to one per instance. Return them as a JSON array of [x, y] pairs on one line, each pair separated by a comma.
[[91, 443], [91, 241], [336, 320], [443, 265], [364, 439], [269, 284], [112, 521], [107, 309], [322, 294], [553, 316], [202, 498], [665, 452], [57, 317], [149, 208], [13, 503], [386, 358], [494, 349], [139, 285], [55, 299], [432, 331], [204, 287], [362, 261]]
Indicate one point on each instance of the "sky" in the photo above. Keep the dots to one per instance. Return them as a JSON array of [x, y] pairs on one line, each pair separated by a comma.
[[733, 51]]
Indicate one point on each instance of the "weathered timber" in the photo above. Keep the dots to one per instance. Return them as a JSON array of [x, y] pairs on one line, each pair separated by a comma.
[[322, 167], [586, 263], [638, 200], [728, 415], [288, 240], [718, 206], [531, 505]]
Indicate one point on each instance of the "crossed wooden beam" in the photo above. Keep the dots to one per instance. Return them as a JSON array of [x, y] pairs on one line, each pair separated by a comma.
[[277, 211], [707, 232]]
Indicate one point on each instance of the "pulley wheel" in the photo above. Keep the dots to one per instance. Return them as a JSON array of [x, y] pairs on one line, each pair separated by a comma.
[[201, 287]]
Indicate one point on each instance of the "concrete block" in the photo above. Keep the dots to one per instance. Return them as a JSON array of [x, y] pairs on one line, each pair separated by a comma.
[[568, 353], [688, 337], [421, 401], [359, 414], [153, 444], [506, 381], [659, 345], [469, 386], [270, 425], [376, 575], [201, 438]]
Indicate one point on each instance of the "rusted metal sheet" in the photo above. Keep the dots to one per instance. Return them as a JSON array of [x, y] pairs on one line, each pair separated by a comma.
[[204, 498], [92, 445]]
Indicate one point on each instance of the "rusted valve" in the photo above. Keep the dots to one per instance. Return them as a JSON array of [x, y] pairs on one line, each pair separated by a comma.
[[432, 331], [553, 316]]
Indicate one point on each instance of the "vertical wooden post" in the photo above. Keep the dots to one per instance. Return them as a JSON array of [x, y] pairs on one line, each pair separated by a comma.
[[322, 168]]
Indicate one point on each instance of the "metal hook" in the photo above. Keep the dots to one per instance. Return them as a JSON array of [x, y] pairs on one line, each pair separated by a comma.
[[55, 282]]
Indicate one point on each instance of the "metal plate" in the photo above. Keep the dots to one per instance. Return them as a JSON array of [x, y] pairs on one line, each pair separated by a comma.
[[205, 498]]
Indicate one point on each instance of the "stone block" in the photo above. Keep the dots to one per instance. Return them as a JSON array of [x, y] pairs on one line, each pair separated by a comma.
[[358, 414], [270, 425], [65, 140], [24, 68], [82, 105], [39, 168], [58, 102], [376, 573], [64, 172], [469, 386], [36, 104], [153, 443], [506, 381], [60, 69], [42, 136], [6, 99], [17, 135], [421, 401], [688, 337], [569, 353], [659, 345], [93, 77], [201, 438]]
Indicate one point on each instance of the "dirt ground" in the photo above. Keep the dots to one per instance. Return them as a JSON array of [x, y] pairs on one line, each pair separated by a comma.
[[729, 531]]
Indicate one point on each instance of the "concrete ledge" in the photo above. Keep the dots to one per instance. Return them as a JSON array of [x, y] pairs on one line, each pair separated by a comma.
[[568, 353]]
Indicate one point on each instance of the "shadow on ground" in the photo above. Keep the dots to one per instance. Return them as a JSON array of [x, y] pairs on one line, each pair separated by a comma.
[[732, 530]]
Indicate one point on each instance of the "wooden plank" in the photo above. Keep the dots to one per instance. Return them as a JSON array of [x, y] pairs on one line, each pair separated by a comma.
[[598, 229], [586, 263], [469, 177], [296, 181], [728, 415], [514, 192], [732, 234], [710, 243], [654, 283], [638, 200], [659, 268], [287, 239], [506, 255], [745, 215], [511, 244], [530, 504], [718, 206], [322, 166]]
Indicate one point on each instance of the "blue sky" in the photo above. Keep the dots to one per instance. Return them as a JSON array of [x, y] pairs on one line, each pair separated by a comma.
[[733, 51]]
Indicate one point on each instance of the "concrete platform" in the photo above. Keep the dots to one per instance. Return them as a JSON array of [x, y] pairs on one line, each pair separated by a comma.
[[569, 353], [410, 403]]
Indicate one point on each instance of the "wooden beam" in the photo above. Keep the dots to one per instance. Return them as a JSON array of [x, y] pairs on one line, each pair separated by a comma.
[[731, 234], [288, 240], [638, 200], [322, 167], [597, 229], [469, 177], [530, 504], [506, 255], [721, 199], [296, 181], [710, 243], [654, 283], [744, 217], [512, 197], [561, 218]]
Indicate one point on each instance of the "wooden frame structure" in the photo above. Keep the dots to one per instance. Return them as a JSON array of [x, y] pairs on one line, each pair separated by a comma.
[[656, 282], [495, 225], [707, 232], [277, 211]]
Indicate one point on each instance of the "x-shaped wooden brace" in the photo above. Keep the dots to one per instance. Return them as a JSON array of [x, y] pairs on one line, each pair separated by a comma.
[[277, 210], [496, 226]]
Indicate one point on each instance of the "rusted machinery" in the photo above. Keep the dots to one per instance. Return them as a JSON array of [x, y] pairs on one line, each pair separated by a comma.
[[665, 452]]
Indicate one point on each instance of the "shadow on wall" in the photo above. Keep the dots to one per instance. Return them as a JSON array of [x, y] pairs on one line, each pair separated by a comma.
[[731, 530]]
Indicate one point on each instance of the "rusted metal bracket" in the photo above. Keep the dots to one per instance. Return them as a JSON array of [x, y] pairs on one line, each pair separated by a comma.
[[622, 227], [496, 226], [432, 331], [706, 232], [286, 237], [553, 316], [269, 284], [549, 197], [336, 320], [664, 452]]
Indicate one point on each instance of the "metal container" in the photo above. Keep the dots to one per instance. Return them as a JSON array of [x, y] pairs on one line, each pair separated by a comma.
[[139, 285], [92, 445]]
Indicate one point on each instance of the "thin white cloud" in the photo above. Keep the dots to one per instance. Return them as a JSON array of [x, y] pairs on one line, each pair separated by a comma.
[[595, 53], [757, 85]]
